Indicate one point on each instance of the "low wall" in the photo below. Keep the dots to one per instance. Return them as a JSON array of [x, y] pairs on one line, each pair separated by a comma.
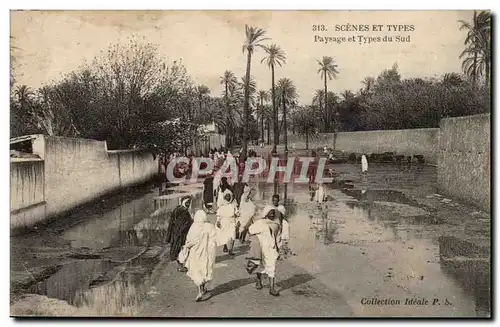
[[80, 170], [27, 201], [464, 159], [74, 171], [406, 142], [211, 141]]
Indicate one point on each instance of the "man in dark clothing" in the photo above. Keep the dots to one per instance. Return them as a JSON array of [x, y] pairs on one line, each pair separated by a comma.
[[208, 192], [239, 188], [178, 229]]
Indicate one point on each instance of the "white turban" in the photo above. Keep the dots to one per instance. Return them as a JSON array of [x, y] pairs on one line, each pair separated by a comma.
[[200, 216]]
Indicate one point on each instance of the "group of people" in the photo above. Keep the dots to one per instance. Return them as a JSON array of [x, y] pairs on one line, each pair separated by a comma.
[[194, 240]]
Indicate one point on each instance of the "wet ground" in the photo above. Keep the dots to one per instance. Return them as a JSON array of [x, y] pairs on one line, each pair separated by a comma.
[[382, 236]]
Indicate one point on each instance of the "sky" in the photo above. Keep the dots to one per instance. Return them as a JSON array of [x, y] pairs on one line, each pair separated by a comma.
[[52, 43]]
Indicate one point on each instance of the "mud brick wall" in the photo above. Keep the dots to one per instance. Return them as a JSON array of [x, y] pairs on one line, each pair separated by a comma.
[[27, 198], [406, 142], [73, 172], [464, 159], [80, 170]]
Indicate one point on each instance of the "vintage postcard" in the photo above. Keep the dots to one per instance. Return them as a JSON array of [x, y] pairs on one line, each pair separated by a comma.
[[250, 164]]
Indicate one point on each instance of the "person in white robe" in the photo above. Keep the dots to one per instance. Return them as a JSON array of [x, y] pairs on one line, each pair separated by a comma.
[[247, 211], [223, 187], [364, 164], [201, 245], [284, 234], [267, 231], [320, 195], [227, 215]]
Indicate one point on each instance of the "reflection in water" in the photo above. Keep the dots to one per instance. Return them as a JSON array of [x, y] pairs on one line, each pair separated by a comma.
[[114, 284], [130, 242], [470, 266], [285, 194], [72, 278]]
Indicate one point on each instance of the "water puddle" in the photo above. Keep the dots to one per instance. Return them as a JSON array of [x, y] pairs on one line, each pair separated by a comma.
[[130, 245], [380, 195], [118, 249], [71, 279], [474, 277]]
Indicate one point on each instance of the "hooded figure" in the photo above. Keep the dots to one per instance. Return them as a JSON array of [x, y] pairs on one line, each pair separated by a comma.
[[226, 223], [268, 231], [178, 228], [247, 211], [201, 243], [223, 188], [320, 194], [208, 191], [364, 164]]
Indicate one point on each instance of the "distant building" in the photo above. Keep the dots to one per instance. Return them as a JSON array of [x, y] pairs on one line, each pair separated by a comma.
[[210, 128]]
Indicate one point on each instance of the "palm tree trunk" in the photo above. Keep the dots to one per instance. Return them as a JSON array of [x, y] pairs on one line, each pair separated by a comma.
[[285, 138], [326, 106], [228, 123], [307, 139], [200, 106], [487, 68], [275, 112], [474, 71], [246, 109], [268, 131], [262, 118]]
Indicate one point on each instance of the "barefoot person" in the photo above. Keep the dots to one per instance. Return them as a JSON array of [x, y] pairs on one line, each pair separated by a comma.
[[226, 223], [280, 218], [267, 231], [223, 188], [247, 211], [201, 243], [178, 229]]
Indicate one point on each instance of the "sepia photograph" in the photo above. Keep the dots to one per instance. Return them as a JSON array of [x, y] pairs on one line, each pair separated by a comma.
[[250, 164]]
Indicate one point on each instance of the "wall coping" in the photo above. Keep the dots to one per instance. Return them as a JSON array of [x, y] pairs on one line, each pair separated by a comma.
[[467, 117], [130, 150], [16, 160], [386, 130]]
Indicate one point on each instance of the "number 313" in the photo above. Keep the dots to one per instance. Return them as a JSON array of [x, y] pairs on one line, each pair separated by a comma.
[[317, 28]]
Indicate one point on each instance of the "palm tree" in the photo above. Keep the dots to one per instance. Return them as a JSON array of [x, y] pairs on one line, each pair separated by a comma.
[[318, 98], [452, 79], [286, 95], [305, 123], [347, 94], [229, 81], [202, 91], [254, 37], [23, 94], [275, 56], [327, 68], [261, 97], [477, 53], [269, 118], [252, 89]]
